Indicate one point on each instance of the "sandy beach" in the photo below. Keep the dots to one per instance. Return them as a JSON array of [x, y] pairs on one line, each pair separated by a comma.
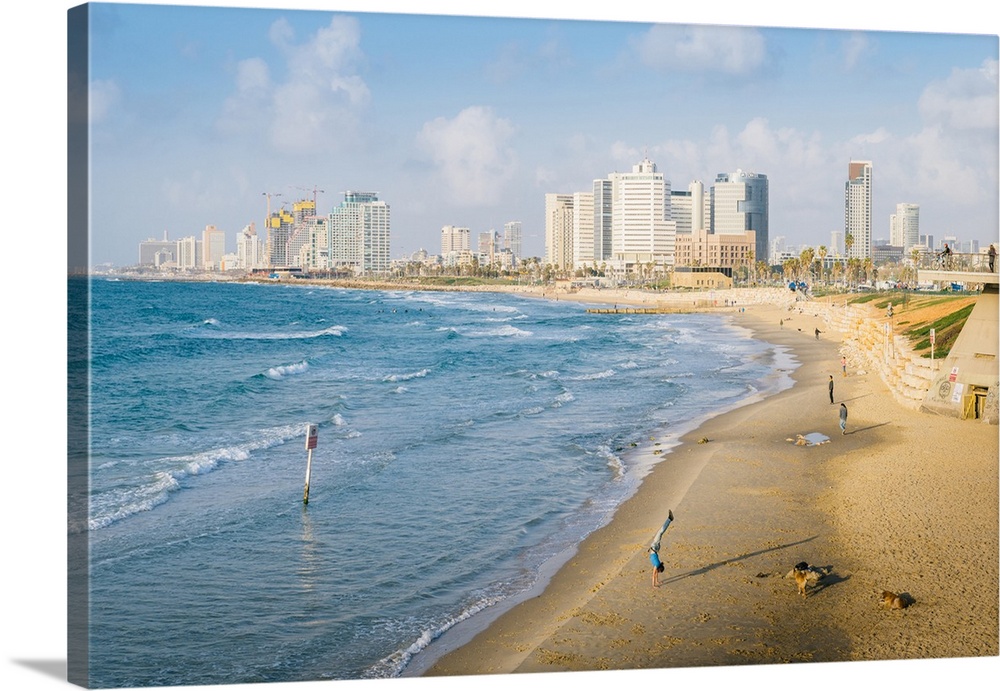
[[904, 501]]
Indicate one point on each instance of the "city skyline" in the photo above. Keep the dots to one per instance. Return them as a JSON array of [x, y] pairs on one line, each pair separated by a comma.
[[219, 106]]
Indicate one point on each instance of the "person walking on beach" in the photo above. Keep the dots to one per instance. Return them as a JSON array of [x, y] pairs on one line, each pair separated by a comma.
[[843, 366], [843, 419], [831, 389], [654, 550], [817, 334]]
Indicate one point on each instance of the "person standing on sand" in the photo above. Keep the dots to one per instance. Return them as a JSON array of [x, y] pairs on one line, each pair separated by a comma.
[[843, 366], [843, 419], [831, 389], [817, 334]]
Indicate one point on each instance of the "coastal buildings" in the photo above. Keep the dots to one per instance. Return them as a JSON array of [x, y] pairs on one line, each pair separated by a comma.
[[559, 231], [513, 239], [213, 244], [249, 249], [858, 210], [904, 226], [359, 234], [739, 204], [642, 232]]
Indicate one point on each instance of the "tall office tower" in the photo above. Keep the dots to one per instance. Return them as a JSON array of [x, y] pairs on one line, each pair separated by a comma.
[[213, 245], [454, 239], [249, 248], [642, 231], [680, 210], [279, 229], [904, 226], [740, 203], [837, 243], [303, 222], [583, 230], [188, 253], [359, 233], [603, 204], [559, 231], [512, 238], [701, 205], [858, 210]]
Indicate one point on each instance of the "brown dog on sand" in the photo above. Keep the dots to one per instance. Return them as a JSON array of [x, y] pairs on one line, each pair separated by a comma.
[[894, 601], [805, 574]]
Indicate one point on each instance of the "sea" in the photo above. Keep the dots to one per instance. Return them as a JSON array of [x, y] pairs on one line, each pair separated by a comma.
[[467, 441]]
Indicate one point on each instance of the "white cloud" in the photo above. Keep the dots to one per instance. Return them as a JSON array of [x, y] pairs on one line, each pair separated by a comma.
[[472, 154], [855, 47], [732, 50], [316, 107], [966, 100], [103, 97]]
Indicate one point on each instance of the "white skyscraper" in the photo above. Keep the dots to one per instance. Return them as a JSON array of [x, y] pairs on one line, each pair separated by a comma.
[[904, 226], [559, 230], [642, 231], [249, 248], [583, 230], [359, 233], [455, 239], [858, 210], [512, 238]]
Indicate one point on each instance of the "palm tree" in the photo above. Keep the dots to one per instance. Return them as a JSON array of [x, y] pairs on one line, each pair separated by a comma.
[[822, 252], [848, 243], [807, 259]]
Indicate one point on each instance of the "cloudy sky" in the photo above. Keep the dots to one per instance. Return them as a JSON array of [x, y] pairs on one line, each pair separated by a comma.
[[197, 112]]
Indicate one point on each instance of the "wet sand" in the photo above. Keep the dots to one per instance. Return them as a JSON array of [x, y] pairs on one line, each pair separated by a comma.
[[905, 501]]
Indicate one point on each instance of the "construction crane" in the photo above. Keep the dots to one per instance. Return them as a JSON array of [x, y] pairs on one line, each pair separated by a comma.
[[267, 219], [315, 190]]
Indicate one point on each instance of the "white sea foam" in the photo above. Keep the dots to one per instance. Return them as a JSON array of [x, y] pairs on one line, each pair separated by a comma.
[[503, 331], [283, 371], [406, 377], [595, 375]]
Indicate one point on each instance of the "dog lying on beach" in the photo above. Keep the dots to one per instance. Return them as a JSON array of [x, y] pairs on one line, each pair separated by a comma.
[[804, 575], [893, 601]]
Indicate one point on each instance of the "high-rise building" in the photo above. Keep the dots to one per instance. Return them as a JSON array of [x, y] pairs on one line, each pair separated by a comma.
[[512, 239], [279, 229], [858, 210], [189, 253], [583, 230], [213, 244], [559, 231], [690, 208], [904, 226], [603, 204], [359, 233], [739, 204], [642, 232], [454, 239], [837, 243], [250, 248]]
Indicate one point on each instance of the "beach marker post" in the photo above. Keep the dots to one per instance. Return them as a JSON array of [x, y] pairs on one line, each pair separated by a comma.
[[312, 436], [932, 349]]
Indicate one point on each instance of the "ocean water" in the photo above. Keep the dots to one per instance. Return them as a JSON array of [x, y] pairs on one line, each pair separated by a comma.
[[465, 439]]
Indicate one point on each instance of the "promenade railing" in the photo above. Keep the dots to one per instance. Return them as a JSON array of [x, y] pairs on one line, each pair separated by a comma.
[[977, 262]]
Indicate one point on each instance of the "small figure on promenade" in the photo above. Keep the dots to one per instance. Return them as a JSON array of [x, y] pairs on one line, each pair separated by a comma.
[[817, 333], [843, 419], [654, 549], [843, 366], [781, 323], [946, 256], [831, 389], [992, 254]]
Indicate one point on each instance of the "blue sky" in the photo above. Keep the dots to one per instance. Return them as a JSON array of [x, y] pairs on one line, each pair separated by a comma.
[[197, 111]]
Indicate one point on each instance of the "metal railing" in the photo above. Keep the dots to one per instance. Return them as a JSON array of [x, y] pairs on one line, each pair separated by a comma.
[[978, 262]]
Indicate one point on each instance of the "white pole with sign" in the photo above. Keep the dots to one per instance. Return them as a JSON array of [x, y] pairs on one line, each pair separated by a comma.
[[312, 436], [932, 350]]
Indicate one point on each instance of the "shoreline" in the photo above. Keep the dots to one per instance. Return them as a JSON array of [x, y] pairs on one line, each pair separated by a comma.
[[723, 599]]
